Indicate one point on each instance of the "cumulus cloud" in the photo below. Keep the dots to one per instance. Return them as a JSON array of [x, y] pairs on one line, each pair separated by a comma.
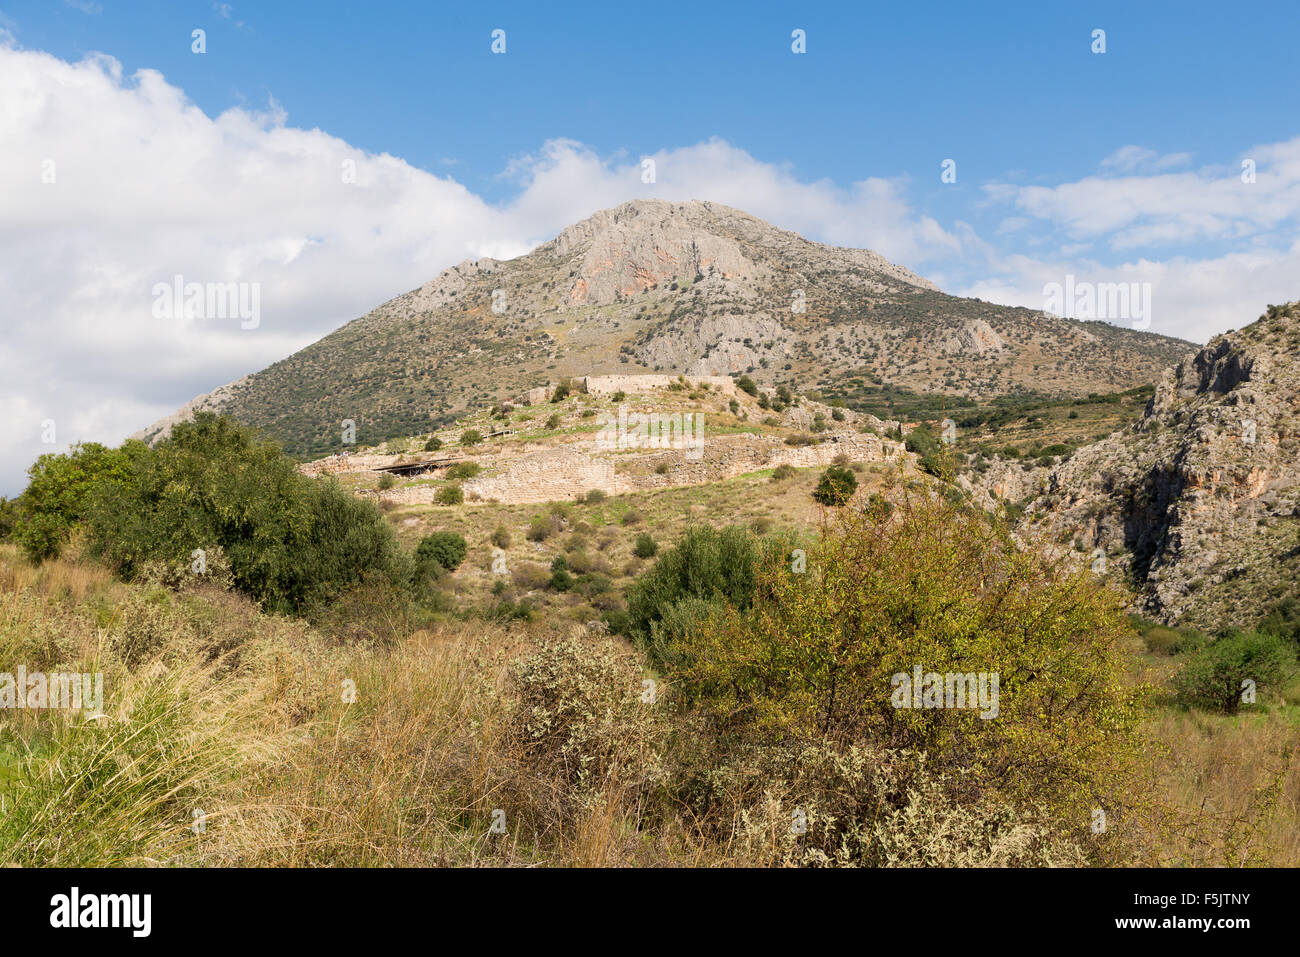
[[1149, 207]]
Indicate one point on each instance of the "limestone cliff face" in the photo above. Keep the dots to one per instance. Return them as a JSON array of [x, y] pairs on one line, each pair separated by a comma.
[[1198, 504]]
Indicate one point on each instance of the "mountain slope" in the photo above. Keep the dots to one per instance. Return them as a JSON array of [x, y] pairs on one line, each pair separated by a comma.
[[1199, 502], [653, 286]]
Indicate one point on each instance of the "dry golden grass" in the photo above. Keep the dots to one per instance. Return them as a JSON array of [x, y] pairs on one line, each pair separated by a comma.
[[1234, 786], [244, 716]]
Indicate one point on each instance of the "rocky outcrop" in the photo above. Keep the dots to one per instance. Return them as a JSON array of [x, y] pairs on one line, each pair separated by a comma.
[[1198, 504]]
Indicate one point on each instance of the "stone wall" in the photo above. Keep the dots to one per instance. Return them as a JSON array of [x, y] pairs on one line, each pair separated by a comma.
[[562, 474], [546, 476], [601, 384]]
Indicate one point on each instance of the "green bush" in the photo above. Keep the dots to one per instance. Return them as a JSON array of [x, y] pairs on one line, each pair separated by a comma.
[[501, 537], [746, 384], [645, 546], [292, 542], [449, 495], [706, 564], [1214, 674], [553, 421], [819, 654], [543, 526], [60, 489], [595, 496], [386, 481], [8, 517], [433, 445], [782, 472], [836, 486], [464, 470], [471, 437], [930, 455], [441, 550]]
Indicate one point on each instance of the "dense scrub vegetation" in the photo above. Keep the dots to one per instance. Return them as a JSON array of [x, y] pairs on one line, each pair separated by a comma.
[[213, 493]]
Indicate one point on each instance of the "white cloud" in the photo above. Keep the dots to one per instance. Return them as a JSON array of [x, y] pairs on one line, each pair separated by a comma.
[[1142, 210]]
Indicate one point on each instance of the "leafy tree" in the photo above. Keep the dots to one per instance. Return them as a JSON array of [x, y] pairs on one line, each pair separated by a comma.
[[707, 564], [59, 491], [440, 551], [836, 486], [8, 517], [1214, 675], [433, 445], [292, 542]]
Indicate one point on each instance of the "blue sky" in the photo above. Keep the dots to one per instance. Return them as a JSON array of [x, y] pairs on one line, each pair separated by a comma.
[[1011, 93], [1119, 166]]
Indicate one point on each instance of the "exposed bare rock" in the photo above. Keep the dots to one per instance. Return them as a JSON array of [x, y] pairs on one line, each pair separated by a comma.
[[1197, 504]]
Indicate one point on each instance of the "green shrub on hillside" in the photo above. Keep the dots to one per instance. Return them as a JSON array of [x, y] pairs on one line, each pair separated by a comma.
[[440, 551], [836, 486], [817, 654], [8, 517], [292, 542], [707, 564], [1215, 676], [449, 495], [922, 442], [59, 491]]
